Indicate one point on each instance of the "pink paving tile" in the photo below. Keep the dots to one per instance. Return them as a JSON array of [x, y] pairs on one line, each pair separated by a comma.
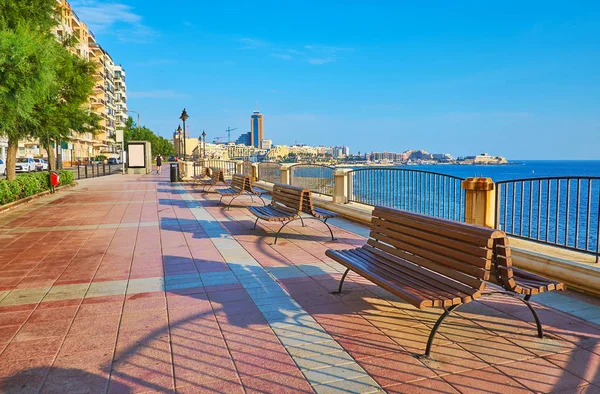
[[451, 359], [437, 386], [291, 382], [216, 387], [24, 375], [395, 368], [579, 362], [253, 342], [37, 348], [346, 325], [105, 308], [14, 318], [227, 295], [147, 376], [497, 350], [92, 325], [264, 362], [45, 329], [80, 372], [7, 332], [85, 343], [235, 307], [58, 313], [368, 345], [145, 320], [488, 380], [541, 376]]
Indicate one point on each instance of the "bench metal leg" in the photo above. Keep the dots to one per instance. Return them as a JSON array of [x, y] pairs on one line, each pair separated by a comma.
[[329, 228], [281, 228], [231, 202], [302, 220], [254, 228], [447, 311], [339, 290], [535, 316]]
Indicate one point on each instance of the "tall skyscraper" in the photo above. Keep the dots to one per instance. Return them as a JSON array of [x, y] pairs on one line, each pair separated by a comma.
[[256, 129]]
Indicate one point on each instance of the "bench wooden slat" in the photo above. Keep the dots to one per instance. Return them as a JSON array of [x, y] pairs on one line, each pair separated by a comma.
[[453, 230], [433, 237], [465, 283], [435, 260], [431, 282], [471, 279], [415, 245]]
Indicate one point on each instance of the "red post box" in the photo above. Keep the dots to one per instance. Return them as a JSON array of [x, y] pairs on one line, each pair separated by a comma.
[[54, 178]]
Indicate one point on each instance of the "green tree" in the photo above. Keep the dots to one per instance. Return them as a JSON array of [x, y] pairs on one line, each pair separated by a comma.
[[26, 74], [161, 145]]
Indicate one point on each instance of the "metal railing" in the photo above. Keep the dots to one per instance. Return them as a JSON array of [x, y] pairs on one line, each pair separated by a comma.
[[94, 170], [559, 211], [318, 178], [228, 166], [269, 172], [417, 191]]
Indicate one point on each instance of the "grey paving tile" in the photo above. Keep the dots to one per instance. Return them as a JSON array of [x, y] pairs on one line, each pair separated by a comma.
[[361, 385], [333, 374]]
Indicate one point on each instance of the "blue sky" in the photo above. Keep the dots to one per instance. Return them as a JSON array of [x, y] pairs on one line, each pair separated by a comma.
[[518, 79]]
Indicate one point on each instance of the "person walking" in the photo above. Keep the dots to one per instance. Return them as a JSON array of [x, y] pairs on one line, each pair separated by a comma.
[[158, 163]]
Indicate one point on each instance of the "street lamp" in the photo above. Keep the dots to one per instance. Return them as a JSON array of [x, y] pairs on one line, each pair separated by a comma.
[[184, 116], [203, 144], [179, 142]]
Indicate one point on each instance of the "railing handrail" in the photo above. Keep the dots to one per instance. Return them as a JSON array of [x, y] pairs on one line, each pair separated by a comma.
[[549, 178], [404, 169], [311, 165]]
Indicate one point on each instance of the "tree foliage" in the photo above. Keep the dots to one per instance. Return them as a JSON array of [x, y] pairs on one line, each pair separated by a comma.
[[43, 87], [159, 144]]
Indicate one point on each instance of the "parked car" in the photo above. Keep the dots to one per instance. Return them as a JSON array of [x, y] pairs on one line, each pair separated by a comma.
[[25, 164], [114, 160], [41, 165], [2, 167]]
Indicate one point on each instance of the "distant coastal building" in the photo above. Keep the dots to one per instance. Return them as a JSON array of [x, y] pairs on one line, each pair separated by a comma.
[[340, 151], [483, 158], [267, 144], [256, 129], [443, 157]]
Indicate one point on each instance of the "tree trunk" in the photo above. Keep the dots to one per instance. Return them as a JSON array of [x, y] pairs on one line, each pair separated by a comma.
[[11, 158], [51, 157]]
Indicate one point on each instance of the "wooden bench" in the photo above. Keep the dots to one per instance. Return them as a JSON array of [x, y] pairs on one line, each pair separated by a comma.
[[287, 205], [216, 177], [431, 262], [240, 185]]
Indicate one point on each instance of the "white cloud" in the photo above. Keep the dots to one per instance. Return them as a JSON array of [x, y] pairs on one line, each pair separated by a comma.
[[113, 18], [157, 94], [283, 56], [312, 54], [319, 61]]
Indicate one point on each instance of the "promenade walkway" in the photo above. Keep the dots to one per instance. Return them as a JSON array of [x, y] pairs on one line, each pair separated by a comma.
[[129, 284]]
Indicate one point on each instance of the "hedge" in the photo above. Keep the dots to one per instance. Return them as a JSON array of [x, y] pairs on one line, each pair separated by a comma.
[[26, 185]]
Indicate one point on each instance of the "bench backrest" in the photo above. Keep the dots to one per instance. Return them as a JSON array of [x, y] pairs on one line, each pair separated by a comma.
[[287, 197], [240, 182], [217, 175], [307, 203], [457, 250]]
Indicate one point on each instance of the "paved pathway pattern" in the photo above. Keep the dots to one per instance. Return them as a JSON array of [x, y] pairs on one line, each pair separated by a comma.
[[130, 284]]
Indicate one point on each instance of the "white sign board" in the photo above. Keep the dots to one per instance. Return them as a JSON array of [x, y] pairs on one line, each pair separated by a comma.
[[137, 155], [119, 135]]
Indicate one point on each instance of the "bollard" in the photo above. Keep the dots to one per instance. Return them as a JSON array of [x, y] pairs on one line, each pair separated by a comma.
[[480, 201]]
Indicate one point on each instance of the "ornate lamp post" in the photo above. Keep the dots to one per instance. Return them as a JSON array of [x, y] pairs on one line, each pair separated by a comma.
[[179, 142], [203, 144], [184, 116]]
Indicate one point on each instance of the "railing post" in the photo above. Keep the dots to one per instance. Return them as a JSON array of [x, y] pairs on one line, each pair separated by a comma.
[[254, 172], [239, 166], [285, 174], [480, 201], [86, 171], [340, 186]]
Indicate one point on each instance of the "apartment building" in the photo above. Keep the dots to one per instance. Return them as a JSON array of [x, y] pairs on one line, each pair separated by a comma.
[[109, 95]]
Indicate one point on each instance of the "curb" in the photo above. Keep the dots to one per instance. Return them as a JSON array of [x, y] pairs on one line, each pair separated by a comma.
[[27, 200]]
